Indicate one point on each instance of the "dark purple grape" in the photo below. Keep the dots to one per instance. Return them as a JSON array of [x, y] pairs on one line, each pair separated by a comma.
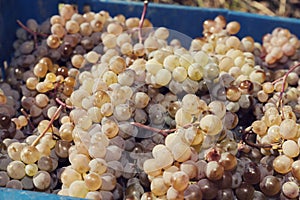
[[45, 27], [225, 194], [270, 185], [54, 54], [41, 51], [62, 148], [245, 191], [96, 38], [144, 179], [28, 60], [118, 192], [87, 43], [71, 39], [193, 192], [5, 121], [65, 50], [208, 188], [226, 181], [79, 49], [252, 173], [27, 183], [27, 47]]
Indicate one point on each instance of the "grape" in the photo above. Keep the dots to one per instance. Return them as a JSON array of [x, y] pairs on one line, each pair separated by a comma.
[[78, 189], [245, 191], [42, 180], [214, 171], [282, 164], [69, 175], [270, 185], [252, 173], [290, 148], [209, 189], [15, 184], [31, 169], [290, 189], [27, 183], [109, 182], [158, 186], [193, 192], [4, 178], [93, 181], [296, 169], [211, 124], [16, 169]]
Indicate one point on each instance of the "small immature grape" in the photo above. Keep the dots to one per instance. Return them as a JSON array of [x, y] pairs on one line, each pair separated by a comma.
[[31, 169]]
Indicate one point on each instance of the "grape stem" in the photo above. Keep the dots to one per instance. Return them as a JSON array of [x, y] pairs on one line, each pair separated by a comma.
[[245, 137], [284, 78], [35, 34], [142, 21], [164, 132], [61, 106]]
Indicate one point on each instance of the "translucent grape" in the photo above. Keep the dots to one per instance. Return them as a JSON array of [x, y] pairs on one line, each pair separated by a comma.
[[282, 164], [211, 124], [78, 189], [158, 187]]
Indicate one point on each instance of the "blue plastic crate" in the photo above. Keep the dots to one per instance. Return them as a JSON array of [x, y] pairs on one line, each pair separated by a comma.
[[186, 20]]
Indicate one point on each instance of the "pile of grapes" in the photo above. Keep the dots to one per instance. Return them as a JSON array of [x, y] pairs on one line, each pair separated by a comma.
[[107, 107]]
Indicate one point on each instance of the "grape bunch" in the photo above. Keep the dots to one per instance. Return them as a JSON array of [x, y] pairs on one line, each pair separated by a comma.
[[103, 107]]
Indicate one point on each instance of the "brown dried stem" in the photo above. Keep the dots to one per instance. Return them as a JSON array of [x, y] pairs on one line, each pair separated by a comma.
[[283, 86], [35, 34], [245, 138], [163, 132], [142, 21], [61, 106], [48, 126]]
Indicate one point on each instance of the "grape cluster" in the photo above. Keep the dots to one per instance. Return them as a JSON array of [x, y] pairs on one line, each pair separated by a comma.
[[104, 107]]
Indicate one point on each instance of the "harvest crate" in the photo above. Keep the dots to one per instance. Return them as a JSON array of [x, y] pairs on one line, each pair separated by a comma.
[[186, 20]]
